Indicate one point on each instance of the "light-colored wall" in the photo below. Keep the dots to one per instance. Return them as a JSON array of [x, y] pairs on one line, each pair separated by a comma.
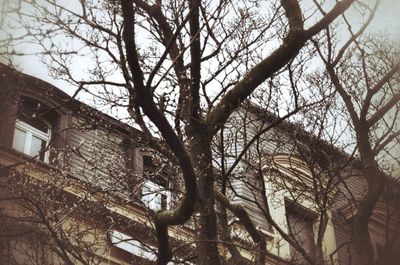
[[276, 200], [272, 142]]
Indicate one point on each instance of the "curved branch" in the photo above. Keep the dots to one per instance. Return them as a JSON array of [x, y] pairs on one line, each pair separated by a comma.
[[289, 49], [186, 207], [244, 218]]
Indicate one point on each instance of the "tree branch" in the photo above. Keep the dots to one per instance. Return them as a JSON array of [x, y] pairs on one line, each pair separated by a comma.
[[245, 220], [289, 49], [186, 207]]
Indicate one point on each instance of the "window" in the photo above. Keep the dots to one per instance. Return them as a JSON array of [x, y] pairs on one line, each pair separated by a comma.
[[155, 190], [156, 196], [128, 244], [148, 164], [32, 137], [300, 225]]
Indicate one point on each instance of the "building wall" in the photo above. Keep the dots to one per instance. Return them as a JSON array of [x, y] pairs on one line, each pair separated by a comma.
[[92, 161], [272, 143]]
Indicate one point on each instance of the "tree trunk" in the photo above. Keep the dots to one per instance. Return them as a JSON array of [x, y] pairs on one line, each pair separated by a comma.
[[207, 247], [375, 183]]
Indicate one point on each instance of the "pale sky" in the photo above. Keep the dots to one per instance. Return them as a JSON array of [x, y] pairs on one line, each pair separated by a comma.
[[387, 18]]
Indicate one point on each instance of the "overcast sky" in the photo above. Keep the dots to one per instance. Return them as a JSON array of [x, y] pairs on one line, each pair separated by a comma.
[[387, 18]]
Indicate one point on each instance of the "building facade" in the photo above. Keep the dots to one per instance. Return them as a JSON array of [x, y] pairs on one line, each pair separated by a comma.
[[79, 187]]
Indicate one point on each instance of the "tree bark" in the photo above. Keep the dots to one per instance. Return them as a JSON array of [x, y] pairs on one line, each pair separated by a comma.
[[375, 183], [200, 150]]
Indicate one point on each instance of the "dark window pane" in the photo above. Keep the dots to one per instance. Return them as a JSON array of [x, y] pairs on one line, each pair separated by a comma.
[[148, 164], [301, 228], [36, 123]]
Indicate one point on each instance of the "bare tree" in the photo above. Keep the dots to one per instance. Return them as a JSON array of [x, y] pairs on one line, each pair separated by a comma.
[[370, 92], [180, 69]]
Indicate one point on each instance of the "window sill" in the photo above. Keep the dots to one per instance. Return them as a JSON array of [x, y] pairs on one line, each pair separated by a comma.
[[268, 234], [11, 157]]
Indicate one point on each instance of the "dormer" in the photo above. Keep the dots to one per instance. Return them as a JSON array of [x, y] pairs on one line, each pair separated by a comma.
[[32, 115], [35, 127]]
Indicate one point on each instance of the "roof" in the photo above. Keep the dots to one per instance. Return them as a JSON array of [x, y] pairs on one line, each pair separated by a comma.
[[296, 131], [20, 84]]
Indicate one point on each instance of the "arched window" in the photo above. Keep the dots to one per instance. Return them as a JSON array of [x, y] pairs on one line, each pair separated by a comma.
[[34, 126], [32, 137], [291, 166]]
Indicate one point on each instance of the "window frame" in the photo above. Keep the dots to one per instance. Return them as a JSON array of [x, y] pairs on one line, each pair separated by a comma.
[[30, 132], [297, 216], [155, 190], [127, 243]]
